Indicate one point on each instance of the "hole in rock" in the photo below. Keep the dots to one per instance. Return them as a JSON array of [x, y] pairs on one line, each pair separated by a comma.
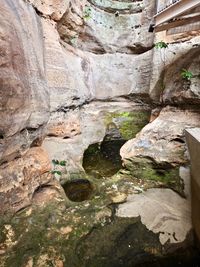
[[78, 190], [1, 135], [103, 159], [179, 140]]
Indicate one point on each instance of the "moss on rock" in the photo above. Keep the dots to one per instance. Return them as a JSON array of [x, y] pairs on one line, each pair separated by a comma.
[[128, 123], [163, 174]]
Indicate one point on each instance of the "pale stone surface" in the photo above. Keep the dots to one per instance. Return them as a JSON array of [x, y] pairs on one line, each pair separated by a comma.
[[52, 8], [120, 74], [72, 21], [162, 211], [68, 83], [80, 77], [91, 120], [110, 27]]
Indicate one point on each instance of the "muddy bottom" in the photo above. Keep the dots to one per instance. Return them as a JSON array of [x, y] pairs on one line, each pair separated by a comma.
[[103, 160], [78, 190]]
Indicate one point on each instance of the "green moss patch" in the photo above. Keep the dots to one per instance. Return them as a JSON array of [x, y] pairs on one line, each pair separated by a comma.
[[163, 174], [128, 123]]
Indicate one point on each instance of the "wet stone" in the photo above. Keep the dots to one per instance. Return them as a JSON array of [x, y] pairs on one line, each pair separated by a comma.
[[103, 160], [78, 190]]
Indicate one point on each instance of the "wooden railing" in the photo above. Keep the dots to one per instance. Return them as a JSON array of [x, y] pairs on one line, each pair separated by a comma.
[[173, 10]]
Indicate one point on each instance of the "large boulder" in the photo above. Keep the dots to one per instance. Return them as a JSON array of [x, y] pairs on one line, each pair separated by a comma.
[[163, 140]]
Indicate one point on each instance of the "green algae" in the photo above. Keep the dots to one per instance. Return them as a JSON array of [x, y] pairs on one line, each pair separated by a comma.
[[103, 159], [128, 123], [86, 234], [121, 242], [163, 174]]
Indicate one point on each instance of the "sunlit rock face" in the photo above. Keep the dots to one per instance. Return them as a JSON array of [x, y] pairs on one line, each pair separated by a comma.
[[163, 212]]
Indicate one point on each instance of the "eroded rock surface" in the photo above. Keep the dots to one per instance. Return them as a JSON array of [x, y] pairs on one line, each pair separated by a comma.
[[163, 139], [21, 177], [24, 107], [71, 71], [162, 211]]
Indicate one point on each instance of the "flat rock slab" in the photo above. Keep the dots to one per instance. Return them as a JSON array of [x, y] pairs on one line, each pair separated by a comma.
[[162, 211]]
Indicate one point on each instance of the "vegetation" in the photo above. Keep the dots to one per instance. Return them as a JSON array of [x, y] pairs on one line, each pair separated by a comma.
[[128, 123], [87, 13], [163, 174], [160, 45], [74, 40], [56, 164], [186, 74]]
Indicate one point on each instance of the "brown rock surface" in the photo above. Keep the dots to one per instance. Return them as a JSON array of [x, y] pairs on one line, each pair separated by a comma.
[[19, 179], [24, 104]]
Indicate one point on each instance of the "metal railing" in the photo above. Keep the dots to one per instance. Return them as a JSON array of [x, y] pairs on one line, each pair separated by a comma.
[[174, 9], [168, 4]]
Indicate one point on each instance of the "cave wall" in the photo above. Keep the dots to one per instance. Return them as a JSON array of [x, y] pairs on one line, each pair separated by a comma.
[[46, 77], [68, 69], [64, 64]]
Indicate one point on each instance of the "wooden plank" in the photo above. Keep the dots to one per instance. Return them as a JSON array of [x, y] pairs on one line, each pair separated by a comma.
[[177, 23], [175, 10], [182, 29]]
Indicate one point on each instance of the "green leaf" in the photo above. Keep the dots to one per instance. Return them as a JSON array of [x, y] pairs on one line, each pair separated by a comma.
[[161, 45], [56, 172], [55, 162], [62, 163], [87, 13], [186, 74]]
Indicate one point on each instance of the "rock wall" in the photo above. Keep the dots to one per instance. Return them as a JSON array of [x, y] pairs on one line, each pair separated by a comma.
[[45, 75], [66, 67]]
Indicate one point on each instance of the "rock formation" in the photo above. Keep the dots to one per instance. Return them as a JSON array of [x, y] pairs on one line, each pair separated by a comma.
[[78, 73]]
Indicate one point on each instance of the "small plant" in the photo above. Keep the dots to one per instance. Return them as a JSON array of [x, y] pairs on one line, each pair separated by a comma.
[[74, 40], [160, 45], [87, 13], [56, 164], [186, 74]]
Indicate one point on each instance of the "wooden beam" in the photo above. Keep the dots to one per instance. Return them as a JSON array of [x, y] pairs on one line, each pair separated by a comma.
[[186, 28], [175, 10], [177, 23]]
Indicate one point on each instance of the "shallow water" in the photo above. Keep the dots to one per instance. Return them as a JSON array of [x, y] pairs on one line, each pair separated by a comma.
[[103, 160]]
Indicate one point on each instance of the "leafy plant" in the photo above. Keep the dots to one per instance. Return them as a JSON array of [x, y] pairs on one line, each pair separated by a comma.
[[74, 40], [56, 164], [186, 74], [87, 13], [160, 45]]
